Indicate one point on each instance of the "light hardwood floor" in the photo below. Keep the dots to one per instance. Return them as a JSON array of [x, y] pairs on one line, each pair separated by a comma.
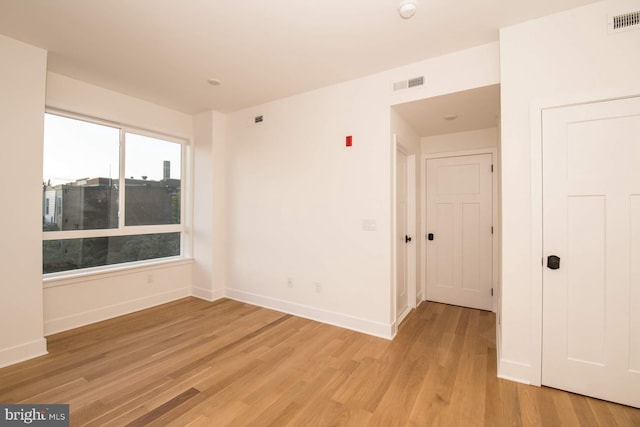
[[196, 363]]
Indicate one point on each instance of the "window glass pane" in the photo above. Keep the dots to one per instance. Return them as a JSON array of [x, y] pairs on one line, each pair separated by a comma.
[[80, 175], [152, 185], [73, 254]]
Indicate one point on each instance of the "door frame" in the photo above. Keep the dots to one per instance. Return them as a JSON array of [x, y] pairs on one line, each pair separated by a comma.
[[411, 230], [537, 254], [495, 250]]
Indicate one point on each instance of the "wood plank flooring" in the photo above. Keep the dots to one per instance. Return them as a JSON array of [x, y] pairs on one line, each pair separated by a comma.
[[195, 363]]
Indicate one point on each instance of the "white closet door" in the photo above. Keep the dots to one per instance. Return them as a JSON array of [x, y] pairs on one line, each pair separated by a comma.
[[591, 222]]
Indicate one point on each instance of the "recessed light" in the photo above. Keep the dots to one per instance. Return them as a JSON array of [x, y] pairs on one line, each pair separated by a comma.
[[214, 82], [450, 117], [407, 8]]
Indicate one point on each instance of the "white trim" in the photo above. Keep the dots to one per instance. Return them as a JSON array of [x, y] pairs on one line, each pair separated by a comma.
[[487, 150], [495, 271], [207, 294], [122, 181], [357, 324], [71, 277], [535, 120], [187, 202], [186, 198], [129, 230], [411, 230], [514, 371], [412, 250], [497, 231], [422, 293], [403, 315], [21, 352], [394, 240], [61, 324], [535, 375]]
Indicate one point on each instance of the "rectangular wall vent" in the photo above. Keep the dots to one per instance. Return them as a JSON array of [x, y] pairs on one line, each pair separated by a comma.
[[624, 22], [401, 85], [406, 84], [258, 119], [416, 81]]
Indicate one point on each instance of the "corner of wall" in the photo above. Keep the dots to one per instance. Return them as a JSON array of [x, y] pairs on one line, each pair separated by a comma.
[[207, 294], [514, 371], [22, 84], [209, 207], [23, 352]]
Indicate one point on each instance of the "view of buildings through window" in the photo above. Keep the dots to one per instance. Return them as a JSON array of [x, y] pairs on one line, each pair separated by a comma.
[[84, 191]]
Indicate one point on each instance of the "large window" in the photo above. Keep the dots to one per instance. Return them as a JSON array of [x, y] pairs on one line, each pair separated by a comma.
[[110, 195]]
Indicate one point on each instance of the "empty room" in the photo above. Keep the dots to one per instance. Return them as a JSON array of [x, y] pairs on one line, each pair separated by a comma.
[[320, 213]]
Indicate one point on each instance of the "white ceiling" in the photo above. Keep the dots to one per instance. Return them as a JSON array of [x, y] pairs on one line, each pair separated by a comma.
[[474, 109], [165, 50]]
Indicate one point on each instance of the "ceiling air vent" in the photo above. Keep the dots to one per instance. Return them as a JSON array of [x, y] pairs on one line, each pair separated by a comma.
[[624, 22], [406, 84]]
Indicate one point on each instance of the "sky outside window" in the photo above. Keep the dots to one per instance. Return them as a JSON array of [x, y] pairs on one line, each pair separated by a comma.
[[75, 149], [145, 156]]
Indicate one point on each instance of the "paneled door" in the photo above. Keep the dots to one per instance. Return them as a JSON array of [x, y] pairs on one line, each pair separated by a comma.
[[591, 249], [459, 231]]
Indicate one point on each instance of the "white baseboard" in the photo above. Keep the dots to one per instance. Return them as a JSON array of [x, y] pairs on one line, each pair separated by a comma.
[[22, 352], [61, 324], [207, 294], [368, 327], [514, 371], [403, 315]]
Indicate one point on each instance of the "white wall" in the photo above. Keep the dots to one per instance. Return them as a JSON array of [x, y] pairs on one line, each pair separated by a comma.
[[405, 133], [22, 85], [209, 231], [76, 96], [73, 302], [298, 196], [460, 141], [466, 69], [81, 299], [557, 57]]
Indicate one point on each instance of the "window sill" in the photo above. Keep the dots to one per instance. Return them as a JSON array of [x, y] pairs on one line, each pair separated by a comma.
[[68, 278]]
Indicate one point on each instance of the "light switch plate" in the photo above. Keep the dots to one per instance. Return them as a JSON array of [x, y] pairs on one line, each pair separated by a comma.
[[369, 225]]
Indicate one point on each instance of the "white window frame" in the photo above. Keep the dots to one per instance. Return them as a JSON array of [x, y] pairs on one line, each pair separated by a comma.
[[122, 229]]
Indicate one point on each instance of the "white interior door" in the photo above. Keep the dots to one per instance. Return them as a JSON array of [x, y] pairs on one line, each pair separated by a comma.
[[402, 299], [459, 231], [591, 221]]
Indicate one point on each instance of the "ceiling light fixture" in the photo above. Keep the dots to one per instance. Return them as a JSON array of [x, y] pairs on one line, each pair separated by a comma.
[[214, 82], [407, 8]]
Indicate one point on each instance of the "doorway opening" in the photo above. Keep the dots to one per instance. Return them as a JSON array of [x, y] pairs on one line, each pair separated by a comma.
[[456, 139]]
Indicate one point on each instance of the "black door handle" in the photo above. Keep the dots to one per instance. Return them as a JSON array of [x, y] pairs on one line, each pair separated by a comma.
[[553, 262], [407, 239], [430, 236]]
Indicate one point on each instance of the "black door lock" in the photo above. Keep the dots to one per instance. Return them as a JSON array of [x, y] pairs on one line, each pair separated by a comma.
[[430, 236], [553, 262]]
